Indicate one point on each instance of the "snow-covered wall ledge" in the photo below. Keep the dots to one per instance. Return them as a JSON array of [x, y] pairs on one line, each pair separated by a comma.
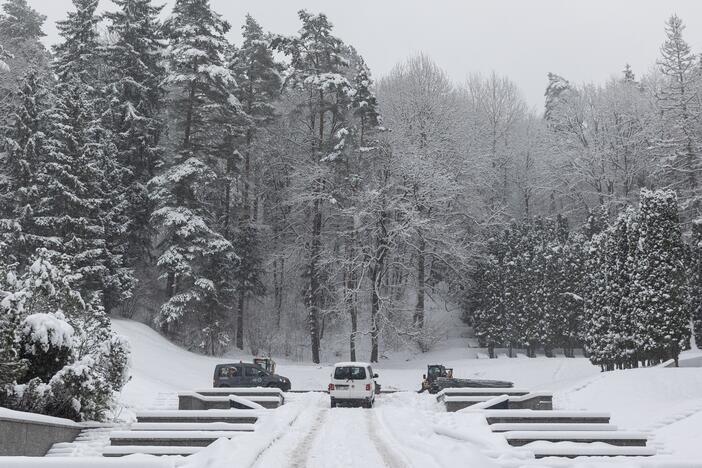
[[32, 435]]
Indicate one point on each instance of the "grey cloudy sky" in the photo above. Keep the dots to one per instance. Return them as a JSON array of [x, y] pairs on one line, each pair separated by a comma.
[[585, 40]]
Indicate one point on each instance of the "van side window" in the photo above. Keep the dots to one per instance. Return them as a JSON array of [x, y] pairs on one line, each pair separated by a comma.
[[228, 371], [254, 372]]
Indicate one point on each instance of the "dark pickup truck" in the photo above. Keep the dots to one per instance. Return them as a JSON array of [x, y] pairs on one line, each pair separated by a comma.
[[243, 374]]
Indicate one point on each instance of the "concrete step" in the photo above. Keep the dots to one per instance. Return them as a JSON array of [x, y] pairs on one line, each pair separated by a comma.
[[120, 451], [628, 439], [574, 449], [187, 426], [504, 427], [169, 438], [196, 401], [199, 416], [241, 391], [534, 401], [471, 392], [541, 416]]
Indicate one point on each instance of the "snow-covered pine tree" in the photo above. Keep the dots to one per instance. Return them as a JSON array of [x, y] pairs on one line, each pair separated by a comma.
[[84, 156], [596, 221], [196, 260], [570, 284], [658, 290], [490, 318], [79, 54], [135, 95], [695, 280], [258, 87], [628, 75], [25, 152], [20, 34], [68, 215], [317, 78], [598, 302], [557, 89], [679, 147]]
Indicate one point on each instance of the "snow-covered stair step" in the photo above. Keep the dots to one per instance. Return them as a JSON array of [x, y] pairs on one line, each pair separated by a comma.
[[169, 438], [197, 416], [241, 391], [122, 450], [189, 426], [543, 416], [504, 427], [89, 442], [480, 392], [630, 439], [576, 449]]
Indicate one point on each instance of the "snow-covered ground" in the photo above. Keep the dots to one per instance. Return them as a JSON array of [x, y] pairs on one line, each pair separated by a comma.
[[407, 429]]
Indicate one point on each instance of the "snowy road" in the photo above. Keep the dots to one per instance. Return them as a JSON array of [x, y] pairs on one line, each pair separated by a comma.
[[400, 432]]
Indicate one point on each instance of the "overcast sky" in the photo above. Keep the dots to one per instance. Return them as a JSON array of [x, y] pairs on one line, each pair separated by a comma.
[[585, 40]]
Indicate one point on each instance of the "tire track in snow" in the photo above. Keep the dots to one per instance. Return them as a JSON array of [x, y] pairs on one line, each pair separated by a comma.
[[381, 442], [301, 452], [282, 446]]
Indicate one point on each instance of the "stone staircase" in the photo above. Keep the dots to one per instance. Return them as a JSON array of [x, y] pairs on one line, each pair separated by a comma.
[[567, 434], [179, 432], [90, 442], [202, 417], [455, 399]]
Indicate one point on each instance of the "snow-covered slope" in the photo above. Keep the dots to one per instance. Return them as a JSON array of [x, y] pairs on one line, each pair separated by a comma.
[[160, 368]]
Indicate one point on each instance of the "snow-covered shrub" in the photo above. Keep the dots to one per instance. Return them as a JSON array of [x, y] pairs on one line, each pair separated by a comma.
[[63, 359], [114, 360], [31, 396], [46, 342], [80, 391]]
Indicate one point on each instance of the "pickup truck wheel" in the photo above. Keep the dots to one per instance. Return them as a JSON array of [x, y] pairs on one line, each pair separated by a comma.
[[333, 403]]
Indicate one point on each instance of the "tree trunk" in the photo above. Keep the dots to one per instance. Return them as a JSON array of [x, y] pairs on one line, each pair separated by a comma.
[[376, 278], [419, 309], [240, 321], [351, 299], [314, 299]]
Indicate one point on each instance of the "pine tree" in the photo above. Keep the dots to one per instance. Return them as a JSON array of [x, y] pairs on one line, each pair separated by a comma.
[[490, 315], [695, 281], [25, 152], [259, 84], [20, 34], [556, 90], [98, 183], [679, 105], [135, 94], [658, 287], [195, 259], [79, 54], [68, 217], [628, 74]]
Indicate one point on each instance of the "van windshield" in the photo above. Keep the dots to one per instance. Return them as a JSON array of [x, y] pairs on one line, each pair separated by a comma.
[[349, 373]]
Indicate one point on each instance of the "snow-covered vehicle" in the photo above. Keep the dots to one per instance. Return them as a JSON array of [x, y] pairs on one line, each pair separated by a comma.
[[439, 377], [352, 384]]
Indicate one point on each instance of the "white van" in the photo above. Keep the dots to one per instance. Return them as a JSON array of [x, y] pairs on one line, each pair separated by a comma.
[[352, 384]]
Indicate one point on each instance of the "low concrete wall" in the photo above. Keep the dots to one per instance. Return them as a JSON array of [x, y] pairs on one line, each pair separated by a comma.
[[30, 438], [537, 402], [193, 402]]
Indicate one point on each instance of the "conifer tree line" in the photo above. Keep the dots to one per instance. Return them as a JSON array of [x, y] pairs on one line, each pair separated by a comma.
[[619, 290], [268, 194]]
